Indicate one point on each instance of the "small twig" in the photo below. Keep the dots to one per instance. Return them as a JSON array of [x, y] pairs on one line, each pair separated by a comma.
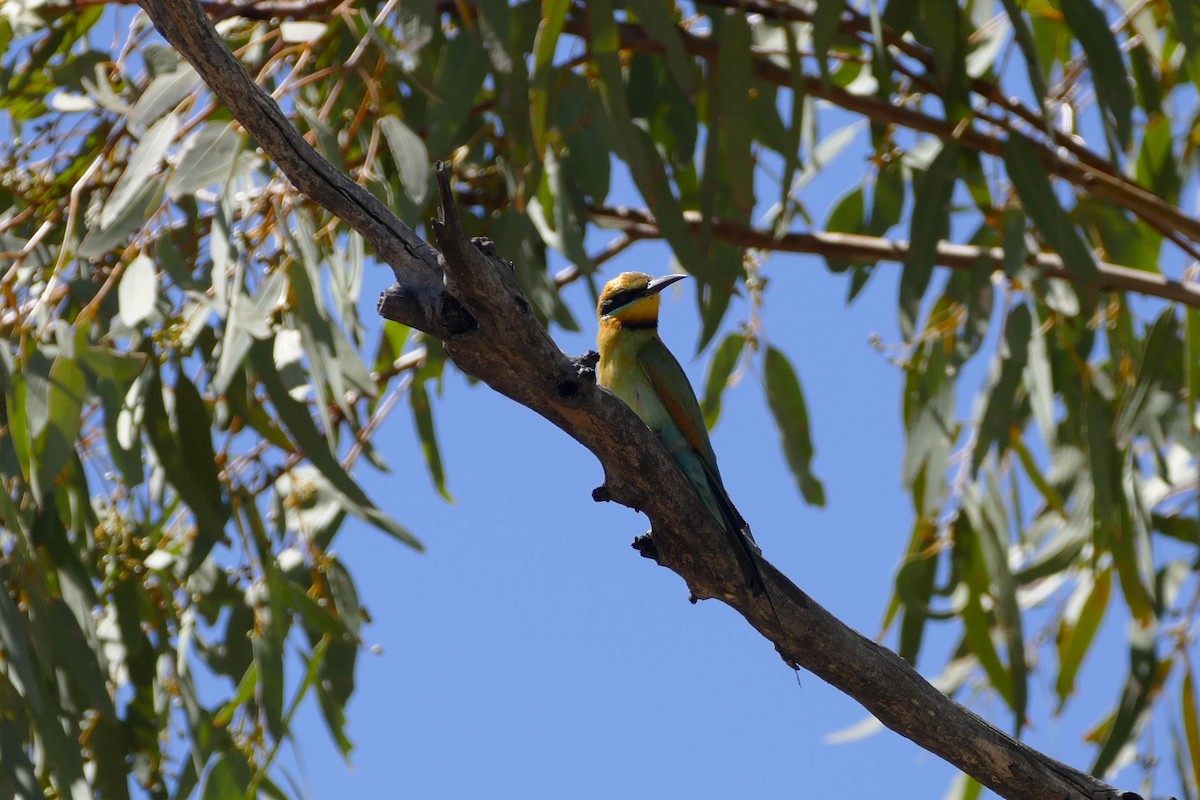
[[849, 246]]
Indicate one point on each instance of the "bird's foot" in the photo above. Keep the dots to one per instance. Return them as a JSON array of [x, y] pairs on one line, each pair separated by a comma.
[[587, 362]]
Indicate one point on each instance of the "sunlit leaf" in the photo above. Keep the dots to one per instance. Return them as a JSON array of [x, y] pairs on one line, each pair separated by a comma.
[[411, 157], [1077, 630], [207, 157], [137, 291]]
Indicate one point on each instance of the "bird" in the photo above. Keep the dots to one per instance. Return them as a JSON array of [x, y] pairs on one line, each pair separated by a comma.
[[638, 368]]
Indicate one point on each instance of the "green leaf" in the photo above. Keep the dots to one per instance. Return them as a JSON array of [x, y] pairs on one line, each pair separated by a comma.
[[138, 291], [887, 200], [1033, 186], [248, 319], [113, 365], [1077, 630], [1105, 463], [588, 158], [1193, 363], [1001, 393], [993, 540], [22, 779], [1033, 68], [165, 92], [725, 359], [1146, 78], [562, 230], [917, 573], [268, 656], [638, 149], [15, 639], [790, 148], [977, 625], [1109, 77], [1161, 351], [228, 778], [295, 418], [461, 71], [930, 224], [733, 82], [545, 44], [786, 401], [1191, 728], [54, 446], [1157, 168], [411, 157], [423, 417], [655, 16], [1126, 241], [207, 157], [145, 160], [100, 239], [847, 216], [183, 445], [825, 22], [1146, 676]]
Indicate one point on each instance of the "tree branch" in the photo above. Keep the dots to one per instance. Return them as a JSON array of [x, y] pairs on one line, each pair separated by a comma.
[[640, 224], [469, 298], [1161, 215]]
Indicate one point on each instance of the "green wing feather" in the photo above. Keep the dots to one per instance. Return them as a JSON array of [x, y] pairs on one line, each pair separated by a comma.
[[675, 391], [673, 388]]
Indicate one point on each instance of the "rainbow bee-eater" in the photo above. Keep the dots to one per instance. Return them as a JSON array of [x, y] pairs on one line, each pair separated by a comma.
[[638, 368]]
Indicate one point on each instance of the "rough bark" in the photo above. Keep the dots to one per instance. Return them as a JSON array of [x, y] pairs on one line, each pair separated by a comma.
[[469, 298]]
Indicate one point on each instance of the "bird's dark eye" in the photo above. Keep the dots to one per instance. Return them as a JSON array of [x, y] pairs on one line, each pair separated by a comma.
[[618, 299]]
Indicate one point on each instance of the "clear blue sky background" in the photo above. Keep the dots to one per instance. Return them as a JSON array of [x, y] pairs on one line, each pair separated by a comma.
[[531, 653]]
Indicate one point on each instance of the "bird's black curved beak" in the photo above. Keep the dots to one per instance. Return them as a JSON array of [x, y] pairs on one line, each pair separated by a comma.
[[658, 284]]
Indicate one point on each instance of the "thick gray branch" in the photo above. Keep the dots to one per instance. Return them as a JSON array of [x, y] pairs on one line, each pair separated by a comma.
[[470, 299]]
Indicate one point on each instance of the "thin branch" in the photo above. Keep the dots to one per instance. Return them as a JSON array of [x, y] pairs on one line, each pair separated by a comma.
[[1142, 203], [640, 224], [470, 299]]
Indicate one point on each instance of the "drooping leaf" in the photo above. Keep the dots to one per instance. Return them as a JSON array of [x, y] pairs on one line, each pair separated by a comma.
[[411, 157], [207, 157], [1001, 393], [147, 157], [724, 360], [825, 27], [786, 401], [423, 416], [1107, 64], [1077, 630], [295, 417], [655, 16], [138, 291], [1033, 187], [228, 778], [930, 224]]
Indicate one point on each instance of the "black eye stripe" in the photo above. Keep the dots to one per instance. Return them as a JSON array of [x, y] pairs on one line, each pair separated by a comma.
[[617, 300]]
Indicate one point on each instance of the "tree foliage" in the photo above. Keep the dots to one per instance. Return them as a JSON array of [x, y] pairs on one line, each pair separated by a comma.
[[187, 383]]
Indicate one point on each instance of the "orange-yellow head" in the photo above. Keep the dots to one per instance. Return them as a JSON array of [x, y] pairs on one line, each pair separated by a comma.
[[631, 299]]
